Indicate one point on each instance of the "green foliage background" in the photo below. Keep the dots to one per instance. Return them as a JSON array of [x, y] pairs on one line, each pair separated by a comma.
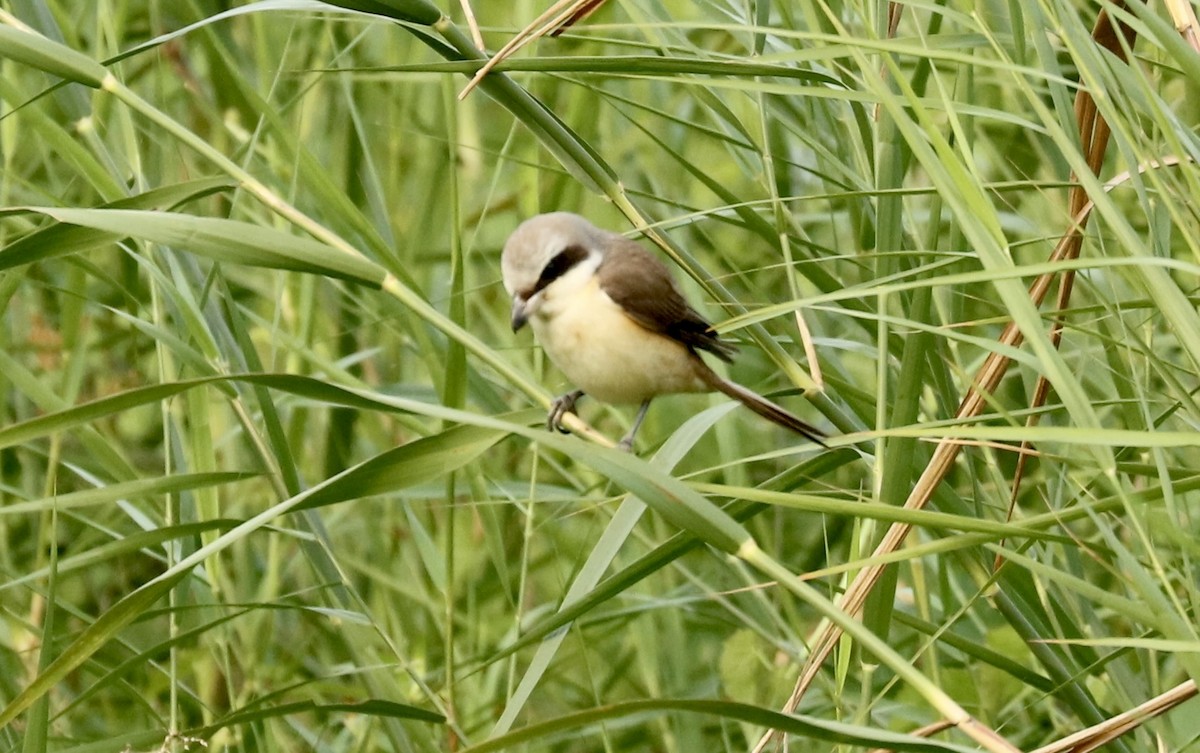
[[272, 471]]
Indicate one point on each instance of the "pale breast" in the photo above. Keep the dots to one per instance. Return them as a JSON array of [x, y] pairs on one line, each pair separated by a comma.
[[607, 355]]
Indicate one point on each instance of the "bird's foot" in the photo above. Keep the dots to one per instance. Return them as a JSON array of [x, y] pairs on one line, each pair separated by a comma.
[[561, 406]]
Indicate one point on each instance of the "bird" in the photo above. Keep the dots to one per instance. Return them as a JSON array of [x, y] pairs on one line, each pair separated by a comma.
[[610, 316]]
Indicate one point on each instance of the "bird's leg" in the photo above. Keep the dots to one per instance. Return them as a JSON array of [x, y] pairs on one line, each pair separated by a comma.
[[626, 442], [561, 406]]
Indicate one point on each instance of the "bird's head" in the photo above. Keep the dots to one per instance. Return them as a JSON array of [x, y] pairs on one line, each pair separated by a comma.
[[540, 252]]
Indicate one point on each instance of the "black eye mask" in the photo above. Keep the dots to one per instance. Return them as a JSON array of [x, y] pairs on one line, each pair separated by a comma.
[[564, 261]]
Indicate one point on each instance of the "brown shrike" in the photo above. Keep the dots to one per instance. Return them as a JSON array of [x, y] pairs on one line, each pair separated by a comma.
[[611, 318]]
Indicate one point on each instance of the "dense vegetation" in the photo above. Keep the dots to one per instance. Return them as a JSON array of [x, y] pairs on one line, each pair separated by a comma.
[[273, 472]]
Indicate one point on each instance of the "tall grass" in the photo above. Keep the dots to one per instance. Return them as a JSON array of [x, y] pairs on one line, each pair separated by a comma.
[[272, 467]]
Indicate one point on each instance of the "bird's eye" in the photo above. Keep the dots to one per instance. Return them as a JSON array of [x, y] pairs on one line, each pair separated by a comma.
[[562, 263]]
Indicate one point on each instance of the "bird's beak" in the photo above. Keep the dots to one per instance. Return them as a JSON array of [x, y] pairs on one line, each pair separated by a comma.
[[520, 312]]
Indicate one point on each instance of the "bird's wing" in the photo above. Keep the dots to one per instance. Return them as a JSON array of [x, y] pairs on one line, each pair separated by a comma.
[[642, 285]]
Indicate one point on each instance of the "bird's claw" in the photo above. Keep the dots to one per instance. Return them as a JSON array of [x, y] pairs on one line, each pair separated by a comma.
[[561, 406]]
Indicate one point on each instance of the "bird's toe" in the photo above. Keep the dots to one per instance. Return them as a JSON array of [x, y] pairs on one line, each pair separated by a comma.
[[561, 406]]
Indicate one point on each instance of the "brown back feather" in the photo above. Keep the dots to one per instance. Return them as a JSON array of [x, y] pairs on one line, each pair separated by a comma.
[[642, 285]]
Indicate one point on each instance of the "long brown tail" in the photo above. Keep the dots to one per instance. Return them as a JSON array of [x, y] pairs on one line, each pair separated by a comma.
[[762, 406]]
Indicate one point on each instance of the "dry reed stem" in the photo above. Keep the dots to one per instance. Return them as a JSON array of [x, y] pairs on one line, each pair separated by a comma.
[[1095, 736], [552, 22]]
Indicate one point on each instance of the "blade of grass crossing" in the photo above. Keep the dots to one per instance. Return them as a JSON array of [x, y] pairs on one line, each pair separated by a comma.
[[605, 550]]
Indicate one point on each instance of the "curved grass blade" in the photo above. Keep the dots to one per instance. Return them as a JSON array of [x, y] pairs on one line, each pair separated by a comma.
[[64, 239], [225, 240], [141, 541], [50, 56], [410, 11], [795, 724], [366, 708], [126, 490]]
